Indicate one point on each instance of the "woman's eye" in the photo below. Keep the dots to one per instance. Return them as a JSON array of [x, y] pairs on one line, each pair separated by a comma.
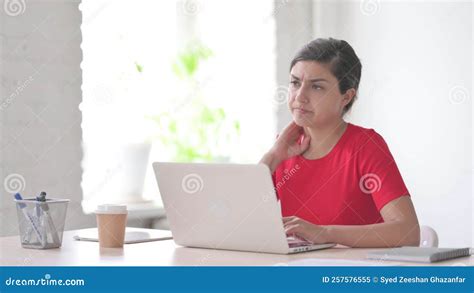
[[295, 83], [317, 87]]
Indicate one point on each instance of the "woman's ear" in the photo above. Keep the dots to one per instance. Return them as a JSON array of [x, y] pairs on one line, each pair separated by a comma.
[[348, 96]]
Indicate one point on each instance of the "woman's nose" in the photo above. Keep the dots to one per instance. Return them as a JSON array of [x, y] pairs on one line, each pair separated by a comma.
[[301, 96]]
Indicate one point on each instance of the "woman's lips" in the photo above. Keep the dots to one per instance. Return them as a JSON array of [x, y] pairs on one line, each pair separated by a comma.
[[301, 111]]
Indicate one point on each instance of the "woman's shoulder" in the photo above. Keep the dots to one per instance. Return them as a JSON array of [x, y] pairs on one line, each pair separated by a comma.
[[359, 134], [367, 141]]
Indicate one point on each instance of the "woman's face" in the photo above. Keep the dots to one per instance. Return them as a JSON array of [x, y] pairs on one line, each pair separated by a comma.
[[314, 98]]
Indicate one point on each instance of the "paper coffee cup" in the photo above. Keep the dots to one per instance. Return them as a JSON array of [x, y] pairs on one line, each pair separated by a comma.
[[111, 223]]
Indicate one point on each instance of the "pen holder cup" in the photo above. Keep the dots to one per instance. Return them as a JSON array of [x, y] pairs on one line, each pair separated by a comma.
[[41, 223]]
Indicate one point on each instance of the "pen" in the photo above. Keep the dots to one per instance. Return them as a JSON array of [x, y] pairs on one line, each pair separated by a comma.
[[45, 207], [41, 217], [28, 216], [41, 224]]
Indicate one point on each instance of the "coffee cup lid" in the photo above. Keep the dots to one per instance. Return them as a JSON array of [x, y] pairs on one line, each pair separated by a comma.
[[111, 209]]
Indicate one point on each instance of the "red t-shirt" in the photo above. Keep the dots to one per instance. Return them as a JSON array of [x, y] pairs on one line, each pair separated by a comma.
[[348, 186]]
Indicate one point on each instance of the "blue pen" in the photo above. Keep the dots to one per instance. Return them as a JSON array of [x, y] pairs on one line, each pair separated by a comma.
[[28, 216], [26, 235]]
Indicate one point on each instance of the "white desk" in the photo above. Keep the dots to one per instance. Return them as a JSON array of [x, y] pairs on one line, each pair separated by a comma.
[[166, 253]]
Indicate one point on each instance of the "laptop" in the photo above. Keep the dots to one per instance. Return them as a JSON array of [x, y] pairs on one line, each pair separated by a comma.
[[225, 206]]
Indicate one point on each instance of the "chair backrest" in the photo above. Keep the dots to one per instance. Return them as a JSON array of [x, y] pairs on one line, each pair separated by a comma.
[[428, 237]]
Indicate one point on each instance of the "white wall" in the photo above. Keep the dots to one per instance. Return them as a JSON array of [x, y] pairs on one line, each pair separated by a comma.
[[416, 90], [40, 129]]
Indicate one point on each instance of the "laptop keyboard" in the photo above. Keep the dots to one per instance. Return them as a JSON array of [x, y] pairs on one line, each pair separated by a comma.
[[297, 242]]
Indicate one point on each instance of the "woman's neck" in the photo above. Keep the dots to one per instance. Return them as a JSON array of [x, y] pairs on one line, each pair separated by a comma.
[[323, 139]]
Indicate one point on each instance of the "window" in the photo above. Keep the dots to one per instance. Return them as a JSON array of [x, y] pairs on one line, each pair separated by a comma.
[[131, 76]]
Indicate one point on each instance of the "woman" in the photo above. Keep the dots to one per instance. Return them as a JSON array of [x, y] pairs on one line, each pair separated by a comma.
[[336, 182]]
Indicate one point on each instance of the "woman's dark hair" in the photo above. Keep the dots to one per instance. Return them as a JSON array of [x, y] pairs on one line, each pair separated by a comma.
[[341, 58]]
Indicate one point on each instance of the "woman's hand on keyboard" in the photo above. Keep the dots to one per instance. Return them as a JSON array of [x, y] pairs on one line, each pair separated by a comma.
[[306, 230]]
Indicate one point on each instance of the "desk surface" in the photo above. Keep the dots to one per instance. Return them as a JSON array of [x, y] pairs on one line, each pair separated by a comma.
[[167, 253]]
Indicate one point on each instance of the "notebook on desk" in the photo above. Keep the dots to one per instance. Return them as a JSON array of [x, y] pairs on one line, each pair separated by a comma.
[[132, 235], [418, 254]]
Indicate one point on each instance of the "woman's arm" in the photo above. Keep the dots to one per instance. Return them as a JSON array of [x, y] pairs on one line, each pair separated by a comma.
[[271, 161], [400, 228]]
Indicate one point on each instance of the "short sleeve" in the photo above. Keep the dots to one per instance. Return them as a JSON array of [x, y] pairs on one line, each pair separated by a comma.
[[378, 171]]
